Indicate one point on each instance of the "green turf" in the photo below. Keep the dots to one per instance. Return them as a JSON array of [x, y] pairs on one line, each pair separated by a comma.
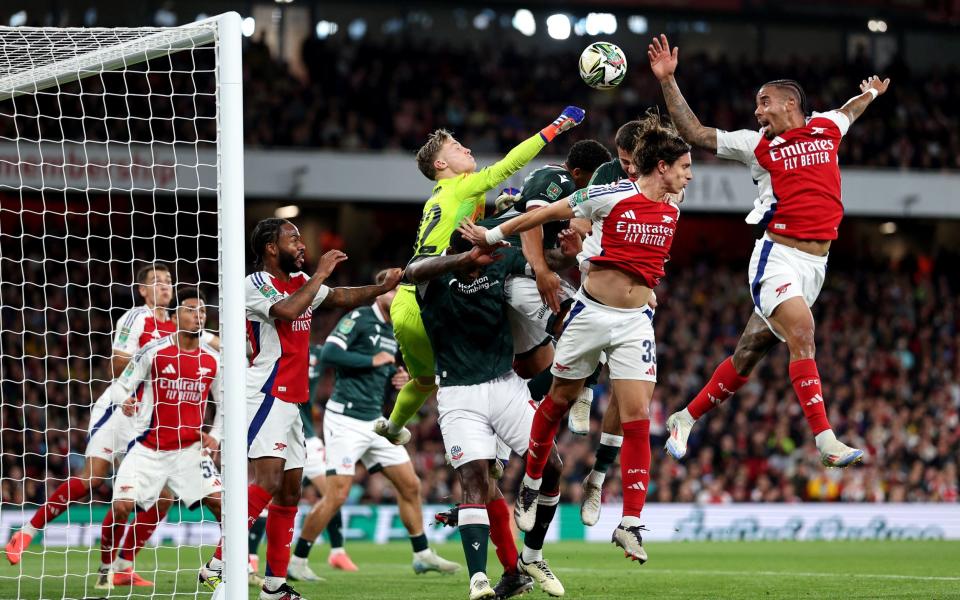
[[749, 570]]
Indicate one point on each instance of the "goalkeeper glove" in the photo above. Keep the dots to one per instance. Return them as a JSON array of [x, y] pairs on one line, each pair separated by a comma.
[[507, 198], [568, 119]]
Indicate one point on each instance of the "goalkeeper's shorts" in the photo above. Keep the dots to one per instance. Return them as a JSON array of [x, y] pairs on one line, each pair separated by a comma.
[[411, 335]]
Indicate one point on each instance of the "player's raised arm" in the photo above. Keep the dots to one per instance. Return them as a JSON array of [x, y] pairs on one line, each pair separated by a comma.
[[663, 63], [423, 270], [351, 297], [560, 210], [294, 305], [524, 152], [870, 88]]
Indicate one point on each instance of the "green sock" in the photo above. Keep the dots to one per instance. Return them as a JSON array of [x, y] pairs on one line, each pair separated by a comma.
[[335, 531], [419, 542], [607, 452], [474, 538], [409, 400]]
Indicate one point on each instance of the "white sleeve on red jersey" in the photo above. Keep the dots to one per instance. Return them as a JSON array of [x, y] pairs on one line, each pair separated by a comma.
[[594, 202], [839, 119], [137, 372], [737, 145], [321, 296], [261, 295], [129, 329]]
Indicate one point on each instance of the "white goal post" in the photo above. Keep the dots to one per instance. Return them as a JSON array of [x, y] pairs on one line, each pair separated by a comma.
[[149, 168]]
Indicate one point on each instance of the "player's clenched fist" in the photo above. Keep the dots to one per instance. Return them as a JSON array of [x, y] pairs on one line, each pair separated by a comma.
[[392, 279], [329, 261]]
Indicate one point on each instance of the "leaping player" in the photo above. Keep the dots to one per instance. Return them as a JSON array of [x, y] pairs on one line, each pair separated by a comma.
[[793, 160], [637, 220], [459, 192], [280, 302]]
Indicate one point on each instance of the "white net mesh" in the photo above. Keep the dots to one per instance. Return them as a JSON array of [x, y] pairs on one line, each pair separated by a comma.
[[108, 162]]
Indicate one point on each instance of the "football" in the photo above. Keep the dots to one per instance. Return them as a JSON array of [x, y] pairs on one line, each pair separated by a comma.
[[603, 65]]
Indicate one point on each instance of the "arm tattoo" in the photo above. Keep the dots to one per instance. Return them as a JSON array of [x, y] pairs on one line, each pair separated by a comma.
[[429, 268], [351, 297], [688, 125], [856, 105]]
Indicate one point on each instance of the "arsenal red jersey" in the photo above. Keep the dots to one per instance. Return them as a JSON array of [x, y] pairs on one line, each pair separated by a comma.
[[797, 175], [176, 384], [138, 327], [281, 350], [635, 232]]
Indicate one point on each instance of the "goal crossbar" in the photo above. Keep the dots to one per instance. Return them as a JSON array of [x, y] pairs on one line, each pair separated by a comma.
[[97, 61]]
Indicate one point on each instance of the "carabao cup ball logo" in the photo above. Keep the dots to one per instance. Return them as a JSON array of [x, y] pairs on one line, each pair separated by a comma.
[[603, 65]]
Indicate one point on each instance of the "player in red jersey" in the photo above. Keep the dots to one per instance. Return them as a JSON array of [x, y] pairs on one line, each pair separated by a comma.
[[110, 432], [793, 160], [635, 221], [280, 301], [177, 373]]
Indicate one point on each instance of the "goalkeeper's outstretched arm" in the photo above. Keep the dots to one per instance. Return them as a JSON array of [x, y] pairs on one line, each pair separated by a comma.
[[492, 176]]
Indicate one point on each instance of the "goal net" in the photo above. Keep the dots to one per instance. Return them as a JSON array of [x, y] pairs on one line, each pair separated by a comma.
[[120, 155]]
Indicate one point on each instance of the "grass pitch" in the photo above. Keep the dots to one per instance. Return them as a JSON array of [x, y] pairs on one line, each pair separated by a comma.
[[747, 570]]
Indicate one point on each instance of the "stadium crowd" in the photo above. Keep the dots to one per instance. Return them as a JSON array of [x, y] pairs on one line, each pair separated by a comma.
[[365, 96], [370, 96]]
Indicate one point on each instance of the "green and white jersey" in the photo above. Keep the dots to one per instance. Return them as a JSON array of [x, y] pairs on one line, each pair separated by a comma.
[[359, 387], [314, 375], [608, 172], [542, 187], [467, 322]]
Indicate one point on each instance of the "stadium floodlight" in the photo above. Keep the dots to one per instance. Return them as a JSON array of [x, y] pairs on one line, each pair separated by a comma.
[[601, 23], [248, 26], [289, 211], [119, 148], [524, 22], [558, 26], [637, 24], [325, 29]]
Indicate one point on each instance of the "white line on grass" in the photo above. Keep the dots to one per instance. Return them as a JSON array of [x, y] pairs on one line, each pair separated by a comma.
[[770, 573]]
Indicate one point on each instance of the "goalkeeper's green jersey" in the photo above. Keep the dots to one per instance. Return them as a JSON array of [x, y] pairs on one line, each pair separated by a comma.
[[465, 196]]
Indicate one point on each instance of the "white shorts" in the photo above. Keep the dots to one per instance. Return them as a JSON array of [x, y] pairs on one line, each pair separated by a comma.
[[316, 461], [593, 329], [274, 429], [475, 418], [189, 473], [350, 440], [110, 433], [779, 272], [530, 318]]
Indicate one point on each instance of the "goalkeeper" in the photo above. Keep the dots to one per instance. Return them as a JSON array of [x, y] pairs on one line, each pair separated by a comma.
[[459, 193]]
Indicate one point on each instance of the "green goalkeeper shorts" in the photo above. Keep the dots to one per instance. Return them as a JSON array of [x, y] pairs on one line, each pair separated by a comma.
[[411, 335]]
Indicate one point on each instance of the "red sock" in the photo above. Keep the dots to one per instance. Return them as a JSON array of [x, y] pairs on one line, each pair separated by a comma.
[[546, 424], [111, 532], [724, 382], [69, 491], [502, 535], [144, 524], [280, 521], [635, 465], [806, 383], [257, 500]]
